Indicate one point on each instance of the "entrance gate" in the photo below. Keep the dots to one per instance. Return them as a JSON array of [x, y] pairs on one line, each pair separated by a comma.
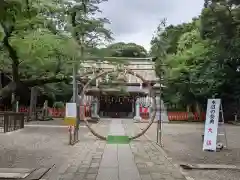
[[116, 107], [150, 91]]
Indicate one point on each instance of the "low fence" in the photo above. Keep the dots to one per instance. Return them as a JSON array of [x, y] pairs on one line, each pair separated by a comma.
[[186, 116], [53, 112], [11, 121], [172, 116]]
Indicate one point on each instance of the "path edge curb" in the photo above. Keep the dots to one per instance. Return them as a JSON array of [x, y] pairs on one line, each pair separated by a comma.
[[159, 148]]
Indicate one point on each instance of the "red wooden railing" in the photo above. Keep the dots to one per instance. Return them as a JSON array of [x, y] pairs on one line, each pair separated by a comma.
[[54, 112], [196, 116], [144, 113], [177, 116]]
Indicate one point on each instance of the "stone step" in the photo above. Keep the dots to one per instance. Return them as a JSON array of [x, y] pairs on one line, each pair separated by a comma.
[[23, 173], [14, 173]]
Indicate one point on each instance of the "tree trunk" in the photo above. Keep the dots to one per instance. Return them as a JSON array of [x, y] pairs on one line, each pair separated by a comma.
[[33, 104], [198, 110], [15, 75], [15, 60], [1, 80]]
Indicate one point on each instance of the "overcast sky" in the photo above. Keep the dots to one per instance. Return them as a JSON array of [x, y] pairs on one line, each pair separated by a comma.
[[136, 20]]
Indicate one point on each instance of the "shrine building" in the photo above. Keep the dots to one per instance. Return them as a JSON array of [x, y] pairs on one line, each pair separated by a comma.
[[119, 95]]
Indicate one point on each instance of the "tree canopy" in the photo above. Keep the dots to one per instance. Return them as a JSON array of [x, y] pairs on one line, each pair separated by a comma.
[[200, 59], [121, 49], [41, 40]]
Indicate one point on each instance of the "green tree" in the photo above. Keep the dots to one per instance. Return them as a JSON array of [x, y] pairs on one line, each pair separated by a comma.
[[202, 57], [122, 49], [40, 43]]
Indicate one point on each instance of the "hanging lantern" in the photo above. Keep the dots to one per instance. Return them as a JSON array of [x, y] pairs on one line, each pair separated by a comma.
[[140, 85], [125, 71]]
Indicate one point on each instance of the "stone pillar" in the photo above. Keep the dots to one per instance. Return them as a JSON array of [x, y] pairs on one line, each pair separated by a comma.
[[132, 113], [94, 108], [137, 116], [151, 107]]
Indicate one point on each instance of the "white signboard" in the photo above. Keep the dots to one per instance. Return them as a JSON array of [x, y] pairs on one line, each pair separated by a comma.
[[211, 124], [71, 110]]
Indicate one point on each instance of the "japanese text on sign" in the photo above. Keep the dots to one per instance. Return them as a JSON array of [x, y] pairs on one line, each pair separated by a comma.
[[211, 124]]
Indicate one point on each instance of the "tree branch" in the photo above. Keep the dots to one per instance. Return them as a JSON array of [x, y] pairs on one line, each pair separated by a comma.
[[42, 81]]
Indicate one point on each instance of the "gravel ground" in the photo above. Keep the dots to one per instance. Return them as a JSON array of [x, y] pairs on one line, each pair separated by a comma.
[[46, 144], [183, 143]]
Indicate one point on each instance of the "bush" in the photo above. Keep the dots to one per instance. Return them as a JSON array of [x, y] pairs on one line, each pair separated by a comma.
[[59, 104]]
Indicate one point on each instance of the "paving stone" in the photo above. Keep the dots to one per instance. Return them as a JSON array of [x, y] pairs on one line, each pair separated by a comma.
[[177, 175], [150, 164], [67, 176], [98, 157], [96, 160], [86, 162], [143, 170], [141, 165], [107, 174], [85, 165], [156, 175], [154, 170], [95, 164], [78, 176], [109, 158], [91, 176], [146, 177], [71, 169], [82, 169], [129, 173], [92, 170]]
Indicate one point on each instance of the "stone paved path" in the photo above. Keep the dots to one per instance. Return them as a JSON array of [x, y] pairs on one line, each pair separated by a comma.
[[151, 161], [90, 159], [118, 161]]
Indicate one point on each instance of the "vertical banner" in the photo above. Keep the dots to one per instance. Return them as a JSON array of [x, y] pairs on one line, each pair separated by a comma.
[[211, 124]]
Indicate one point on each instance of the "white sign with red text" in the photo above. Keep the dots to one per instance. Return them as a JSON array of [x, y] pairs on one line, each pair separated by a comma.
[[211, 125]]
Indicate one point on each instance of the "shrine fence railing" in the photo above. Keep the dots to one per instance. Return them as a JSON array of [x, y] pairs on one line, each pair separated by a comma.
[[172, 116], [11, 121]]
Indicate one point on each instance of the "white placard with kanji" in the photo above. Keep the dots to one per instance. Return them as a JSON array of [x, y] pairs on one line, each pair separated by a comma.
[[71, 110], [211, 124]]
